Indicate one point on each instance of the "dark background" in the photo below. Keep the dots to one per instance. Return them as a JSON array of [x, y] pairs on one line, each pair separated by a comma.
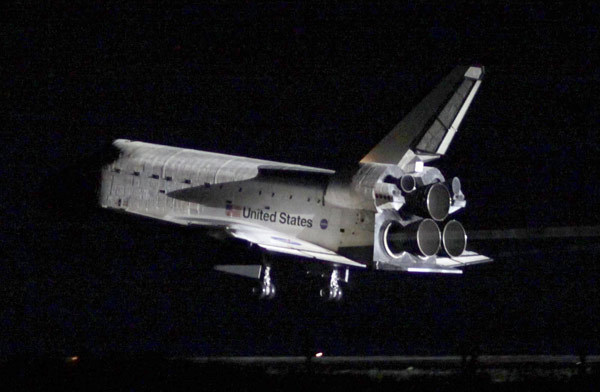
[[314, 86]]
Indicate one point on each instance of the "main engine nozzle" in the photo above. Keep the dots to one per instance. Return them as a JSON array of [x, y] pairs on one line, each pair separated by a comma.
[[431, 200], [421, 237], [454, 239]]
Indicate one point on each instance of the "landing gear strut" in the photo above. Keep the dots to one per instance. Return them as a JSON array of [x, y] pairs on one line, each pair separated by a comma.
[[334, 292]]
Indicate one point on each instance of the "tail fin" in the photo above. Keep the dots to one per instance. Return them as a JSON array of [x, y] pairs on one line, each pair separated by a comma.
[[430, 127]]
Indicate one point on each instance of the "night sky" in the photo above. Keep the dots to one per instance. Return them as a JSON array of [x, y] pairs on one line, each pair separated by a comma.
[[318, 87]]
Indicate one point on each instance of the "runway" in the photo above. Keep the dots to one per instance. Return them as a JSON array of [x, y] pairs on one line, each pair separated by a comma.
[[153, 372], [486, 369], [409, 365]]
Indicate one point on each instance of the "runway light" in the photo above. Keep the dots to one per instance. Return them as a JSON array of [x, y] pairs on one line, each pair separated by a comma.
[[319, 355]]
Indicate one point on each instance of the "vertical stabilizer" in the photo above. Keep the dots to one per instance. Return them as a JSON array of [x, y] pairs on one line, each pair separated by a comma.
[[430, 127]]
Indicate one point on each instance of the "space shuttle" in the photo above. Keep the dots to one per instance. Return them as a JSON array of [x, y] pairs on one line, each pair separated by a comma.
[[391, 211]]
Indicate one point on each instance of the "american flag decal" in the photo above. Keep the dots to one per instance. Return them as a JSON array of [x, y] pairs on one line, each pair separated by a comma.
[[233, 210]]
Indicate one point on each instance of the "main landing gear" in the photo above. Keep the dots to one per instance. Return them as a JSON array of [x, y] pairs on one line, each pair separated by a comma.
[[266, 289], [334, 291]]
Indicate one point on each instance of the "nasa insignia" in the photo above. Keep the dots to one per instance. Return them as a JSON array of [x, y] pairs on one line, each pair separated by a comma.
[[324, 224]]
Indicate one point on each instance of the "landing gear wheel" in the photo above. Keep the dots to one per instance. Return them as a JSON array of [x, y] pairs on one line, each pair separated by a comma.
[[338, 295], [268, 293]]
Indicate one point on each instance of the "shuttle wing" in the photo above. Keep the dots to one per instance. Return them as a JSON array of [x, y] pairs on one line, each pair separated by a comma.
[[278, 242], [430, 127], [268, 239]]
